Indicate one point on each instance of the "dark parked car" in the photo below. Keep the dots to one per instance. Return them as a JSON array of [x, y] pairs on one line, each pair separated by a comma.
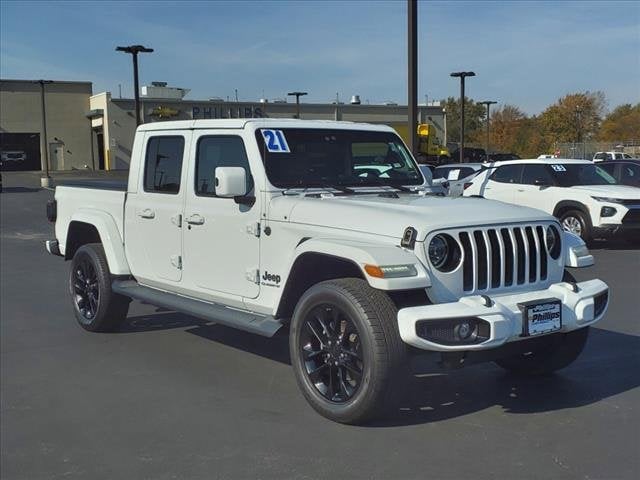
[[500, 157], [626, 172], [470, 155]]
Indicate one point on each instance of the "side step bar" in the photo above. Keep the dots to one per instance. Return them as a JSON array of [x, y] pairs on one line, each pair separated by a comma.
[[264, 325]]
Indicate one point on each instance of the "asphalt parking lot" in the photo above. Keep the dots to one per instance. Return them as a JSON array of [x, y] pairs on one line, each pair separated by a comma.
[[170, 396]]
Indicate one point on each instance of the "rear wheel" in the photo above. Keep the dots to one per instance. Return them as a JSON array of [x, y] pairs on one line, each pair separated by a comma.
[[96, 307], [346, 350]]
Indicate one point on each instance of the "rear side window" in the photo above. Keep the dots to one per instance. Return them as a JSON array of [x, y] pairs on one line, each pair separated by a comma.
[[507, 174], [163, 164], [537, 174], [453, 173], [219, 151]]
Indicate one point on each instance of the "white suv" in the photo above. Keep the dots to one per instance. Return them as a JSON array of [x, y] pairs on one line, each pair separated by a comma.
[[584, 197]]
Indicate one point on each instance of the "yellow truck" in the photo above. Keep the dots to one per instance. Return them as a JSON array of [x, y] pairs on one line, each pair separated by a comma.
[[429, 147]]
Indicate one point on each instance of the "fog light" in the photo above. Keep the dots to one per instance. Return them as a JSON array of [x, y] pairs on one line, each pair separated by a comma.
[[607, 212], [460, 331], [463, 331]]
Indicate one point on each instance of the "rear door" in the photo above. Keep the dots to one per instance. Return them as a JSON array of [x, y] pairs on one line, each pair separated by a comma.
[[153, 210], [502, 183], [536, 187]]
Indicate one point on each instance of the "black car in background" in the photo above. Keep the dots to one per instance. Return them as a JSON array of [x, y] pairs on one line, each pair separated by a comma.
[[626, 172]]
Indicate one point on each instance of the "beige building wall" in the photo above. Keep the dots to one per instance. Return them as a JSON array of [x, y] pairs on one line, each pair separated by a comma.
[[68, 129]]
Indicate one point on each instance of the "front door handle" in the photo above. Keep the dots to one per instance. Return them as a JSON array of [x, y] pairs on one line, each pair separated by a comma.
[[147, 213], [195, 219]]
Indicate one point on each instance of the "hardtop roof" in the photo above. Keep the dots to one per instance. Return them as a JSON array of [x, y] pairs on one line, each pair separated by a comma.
[[255, 123]]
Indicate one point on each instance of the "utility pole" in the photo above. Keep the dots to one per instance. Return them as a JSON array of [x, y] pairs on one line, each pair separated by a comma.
[[488, 103], [412, 74], [462, 76], [297, 95], [45, 180], [134, 50]]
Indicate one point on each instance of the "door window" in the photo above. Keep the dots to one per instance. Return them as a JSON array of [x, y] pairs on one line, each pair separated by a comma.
[[599, 156], [630, 173], [536, 174], [163, 164], [507, 174], [608, 167], [219, 151]]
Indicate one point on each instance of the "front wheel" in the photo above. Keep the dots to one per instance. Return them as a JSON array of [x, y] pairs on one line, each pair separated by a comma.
[[547, 360], [96, 307], [578, 223], [346, 350]]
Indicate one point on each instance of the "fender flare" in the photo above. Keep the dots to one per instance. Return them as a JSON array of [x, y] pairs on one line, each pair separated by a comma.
[[573, 204], [362, 253], [110, 237]]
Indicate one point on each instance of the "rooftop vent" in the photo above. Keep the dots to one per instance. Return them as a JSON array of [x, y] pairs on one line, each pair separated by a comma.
[[355, 100]]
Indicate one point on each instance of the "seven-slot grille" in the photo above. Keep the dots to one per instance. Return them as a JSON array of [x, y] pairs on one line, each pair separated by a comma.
[[503, 257]]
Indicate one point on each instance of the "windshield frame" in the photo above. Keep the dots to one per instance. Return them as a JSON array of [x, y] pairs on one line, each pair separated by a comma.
[[323, 182]]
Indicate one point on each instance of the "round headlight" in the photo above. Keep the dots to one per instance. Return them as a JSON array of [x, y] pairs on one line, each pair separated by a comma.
[[552, 239], [444, 252], [438, 250]]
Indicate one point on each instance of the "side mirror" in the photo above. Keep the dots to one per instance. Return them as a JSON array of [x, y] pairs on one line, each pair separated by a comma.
[[231, 182]]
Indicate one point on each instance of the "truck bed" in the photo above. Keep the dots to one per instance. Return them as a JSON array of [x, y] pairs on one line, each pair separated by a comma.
[[117, 185], [77, 199]]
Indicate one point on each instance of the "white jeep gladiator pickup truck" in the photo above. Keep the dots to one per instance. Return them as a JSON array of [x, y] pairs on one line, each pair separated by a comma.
[[325, 227]]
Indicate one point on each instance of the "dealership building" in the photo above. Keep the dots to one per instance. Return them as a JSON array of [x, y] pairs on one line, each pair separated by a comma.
[[74, 129]]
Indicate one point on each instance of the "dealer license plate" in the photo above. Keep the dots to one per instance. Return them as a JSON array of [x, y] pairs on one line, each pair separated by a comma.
[[541, 316]]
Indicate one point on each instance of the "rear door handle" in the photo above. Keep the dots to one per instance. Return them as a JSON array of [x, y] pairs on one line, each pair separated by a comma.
[[195, 219], [147, 213]]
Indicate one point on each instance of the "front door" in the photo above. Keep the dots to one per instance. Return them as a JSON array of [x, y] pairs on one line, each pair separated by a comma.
[[153, 216], [221, 236]]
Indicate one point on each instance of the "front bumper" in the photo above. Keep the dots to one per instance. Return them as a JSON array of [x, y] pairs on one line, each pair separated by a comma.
[[504, 315]]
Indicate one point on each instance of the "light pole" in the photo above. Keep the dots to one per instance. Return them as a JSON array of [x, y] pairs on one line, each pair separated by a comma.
[[462, 76], [45, 181], [488, 103], [412, 74], [297, 95], [134, 50]]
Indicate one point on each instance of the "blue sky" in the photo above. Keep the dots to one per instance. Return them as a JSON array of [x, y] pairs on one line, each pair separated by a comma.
[[524, 53]]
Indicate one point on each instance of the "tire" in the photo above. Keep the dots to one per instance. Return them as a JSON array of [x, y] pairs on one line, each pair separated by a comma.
[[558, 355], [359, 353], [96, 307], [576, 221]]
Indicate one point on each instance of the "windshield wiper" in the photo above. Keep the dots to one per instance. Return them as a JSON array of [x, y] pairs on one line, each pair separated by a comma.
[[326, 185], [402, 188]]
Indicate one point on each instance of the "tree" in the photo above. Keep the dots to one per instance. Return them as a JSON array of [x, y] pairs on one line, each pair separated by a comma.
[[622, 124], [506, 123], [474, 114], [573, 118]]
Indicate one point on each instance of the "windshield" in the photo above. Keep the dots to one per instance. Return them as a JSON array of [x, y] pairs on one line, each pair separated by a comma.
[[296, 157], [570, 174]]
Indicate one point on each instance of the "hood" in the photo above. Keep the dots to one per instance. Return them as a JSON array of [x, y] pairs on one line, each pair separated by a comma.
[[390, 216], [613, 191]]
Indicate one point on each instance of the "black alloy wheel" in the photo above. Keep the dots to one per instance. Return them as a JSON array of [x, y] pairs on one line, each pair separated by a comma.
[[332, 353], [96, 307], [86, 288]]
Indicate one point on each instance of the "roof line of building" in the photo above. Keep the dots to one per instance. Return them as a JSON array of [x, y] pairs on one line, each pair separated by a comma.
[[17, 80]]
